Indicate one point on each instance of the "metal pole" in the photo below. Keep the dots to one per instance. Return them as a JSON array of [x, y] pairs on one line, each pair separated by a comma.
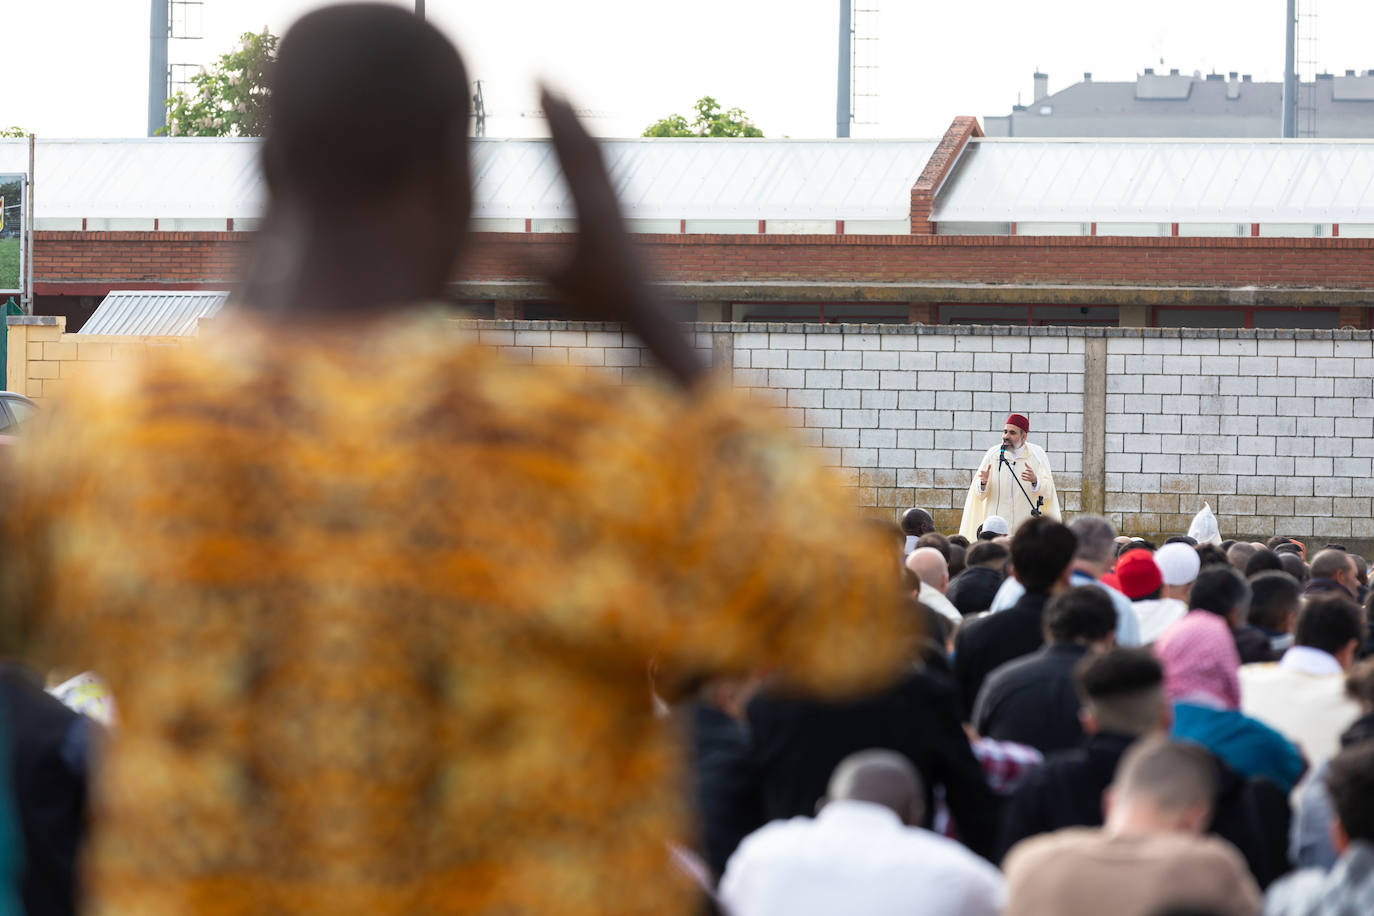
[[28, 230], [158, 29], [420, 8], [1290, 72], [842, 93]]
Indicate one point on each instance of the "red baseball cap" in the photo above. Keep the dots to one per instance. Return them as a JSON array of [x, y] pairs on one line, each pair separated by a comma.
[[1138, 574]]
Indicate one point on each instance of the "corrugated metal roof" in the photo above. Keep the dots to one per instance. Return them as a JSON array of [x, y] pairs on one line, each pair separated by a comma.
[[191, 178], [711, 179], [153, 313], [1165, 181]]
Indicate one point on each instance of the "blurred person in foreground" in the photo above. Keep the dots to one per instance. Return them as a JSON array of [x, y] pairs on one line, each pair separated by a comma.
[[300, 550], [864, 852], [1148, 854], [1348, 888]]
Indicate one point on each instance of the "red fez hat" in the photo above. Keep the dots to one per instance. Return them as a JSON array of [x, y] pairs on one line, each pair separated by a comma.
[[1138, 574], [1019, 421]]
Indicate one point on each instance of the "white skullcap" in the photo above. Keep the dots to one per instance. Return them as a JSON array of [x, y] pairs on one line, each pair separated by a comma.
[[1178, 563], [995, 524]]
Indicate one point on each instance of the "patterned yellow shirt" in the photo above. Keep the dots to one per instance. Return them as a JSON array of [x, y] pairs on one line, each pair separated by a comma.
[[378, 608]]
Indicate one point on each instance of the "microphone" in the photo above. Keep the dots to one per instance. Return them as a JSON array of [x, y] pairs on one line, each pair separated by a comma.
[[1002, 457]]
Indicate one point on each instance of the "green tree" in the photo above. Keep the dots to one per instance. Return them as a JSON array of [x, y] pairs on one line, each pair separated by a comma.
[[230, 99], [711, 121], [13, 131]]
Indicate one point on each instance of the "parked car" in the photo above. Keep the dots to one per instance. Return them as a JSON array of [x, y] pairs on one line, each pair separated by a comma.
[[15, 409]]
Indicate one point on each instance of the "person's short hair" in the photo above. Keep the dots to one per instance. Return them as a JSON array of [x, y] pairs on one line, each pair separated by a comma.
[[1350, 780], [1276, 540], [1327, 563], [363, 90], [1359, 683], [1211, 555], [1361, 568], [984, 553], [1293, 565], [1123, 689], [1274, 595], [1085, 613], [1040, 552], [1328, 623], [936, 540], [1240, 554], [958, 559], [958, 539], [1220, 589], [1262, 561], [1174, 775], [916, 522], [1287, 547], [1096, 538], [1181, 539]]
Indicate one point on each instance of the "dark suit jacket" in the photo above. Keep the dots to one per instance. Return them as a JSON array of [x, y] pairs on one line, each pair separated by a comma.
[[1032, 700], [48, 744], [1066, 791], [973, 589], [798, 743], [991, 640], [726, 784]]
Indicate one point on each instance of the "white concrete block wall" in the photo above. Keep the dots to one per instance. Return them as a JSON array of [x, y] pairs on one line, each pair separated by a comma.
[[1275, 429], [1276, 433]]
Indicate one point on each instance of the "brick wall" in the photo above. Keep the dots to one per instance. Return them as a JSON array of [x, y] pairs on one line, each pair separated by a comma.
[[90, 263], [42, 359]]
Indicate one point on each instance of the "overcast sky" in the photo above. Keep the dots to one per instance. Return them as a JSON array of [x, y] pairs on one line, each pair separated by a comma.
[[78, 68]]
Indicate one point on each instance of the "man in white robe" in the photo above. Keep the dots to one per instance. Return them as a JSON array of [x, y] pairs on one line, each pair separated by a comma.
[[994, 489]]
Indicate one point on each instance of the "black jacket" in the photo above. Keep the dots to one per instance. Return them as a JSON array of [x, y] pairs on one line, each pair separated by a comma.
[[1253, 645], [726, 784], [1032, 700], [798, 743], [991, 640], [973, 589], [48, 746], [1066, 791]]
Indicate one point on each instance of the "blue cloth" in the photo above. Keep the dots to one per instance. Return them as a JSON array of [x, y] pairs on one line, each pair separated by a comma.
[[1309, 835], [1248, 745], [1127, 623]]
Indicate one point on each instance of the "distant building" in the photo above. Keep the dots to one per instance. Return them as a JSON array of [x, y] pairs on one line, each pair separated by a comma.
[[1179, 105]]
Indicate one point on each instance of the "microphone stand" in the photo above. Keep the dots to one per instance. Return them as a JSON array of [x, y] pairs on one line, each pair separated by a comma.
[[1039, 500]]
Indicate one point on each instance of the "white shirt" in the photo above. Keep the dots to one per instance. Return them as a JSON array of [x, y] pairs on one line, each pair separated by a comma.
[[934, 599], [1302, 696], [857, 857], [1127, 621], [1155, 616]]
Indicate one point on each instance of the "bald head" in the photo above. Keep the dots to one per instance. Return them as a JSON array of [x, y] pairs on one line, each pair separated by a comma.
[[1239, 555], [930, 566], [881, 778]]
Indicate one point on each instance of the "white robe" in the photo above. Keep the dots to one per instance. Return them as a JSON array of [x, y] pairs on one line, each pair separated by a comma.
[[1003, 497]]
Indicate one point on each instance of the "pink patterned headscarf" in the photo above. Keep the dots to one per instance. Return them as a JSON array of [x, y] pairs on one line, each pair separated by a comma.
[[1200, 659]]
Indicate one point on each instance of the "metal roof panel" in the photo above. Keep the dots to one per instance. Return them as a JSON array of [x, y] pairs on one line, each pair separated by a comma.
[[153, 313]]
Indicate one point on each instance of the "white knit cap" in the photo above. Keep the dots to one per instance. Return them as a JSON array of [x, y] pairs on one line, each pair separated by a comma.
[[1178, 562], [995, 524]]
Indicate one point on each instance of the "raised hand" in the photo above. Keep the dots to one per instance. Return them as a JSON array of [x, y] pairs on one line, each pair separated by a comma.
[[984, 474], [605, 278]]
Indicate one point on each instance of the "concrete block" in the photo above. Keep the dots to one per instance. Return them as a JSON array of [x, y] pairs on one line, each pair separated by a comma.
[[1159, 464], [1182, 365], [787, 378], [860, 378], [1273, 465], [1256, 406], [878, 359], [860, 457], [1276, 386], [822, 417], [1125, 384], [896, 419], [840, 438], [1352, 387], [1295, 366], [1125, 463], [1278, 426], [934, 419], [915, 477], [568, 338], [879, 438], [973, 344], [533, 339], [607, 339], [1199, 347], [859, 419], [973, 381], [919, 439], [586, 356], [744, 378], [1333, 447], [1011, 344], [953, 439], [805, 397], [749, 340], [1331, 407], [1354, 467], [839, 397], [1359, 349], [954, 362], [1318, 348], [1258, 365], [59, 351], [1337, 367], [1013, 382], [1125, 345], [1163, 423], [915, 399], [740, 359], [1331, 527], [1314, 387], [896, 457], [1123, 502], [1332, 486], [878, 400], [788, 341], [822, 378], [862, 341], [1030, 362], [843, 359], [1049, 345], [900, 342], [493, 338], [1162, 384], [1124, 423], [1255, 485], [1244, 385], [770, 359], [630, 356], [1295, 446], [921, 360], [1159, 502], [1240, 465], [898, 380], [1294, 486], [992, 362], [1280, 348], [953, 400], [1140, 483], [1165, 346]]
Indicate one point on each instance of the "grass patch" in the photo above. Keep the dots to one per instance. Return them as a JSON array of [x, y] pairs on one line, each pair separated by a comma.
[[9, 263]]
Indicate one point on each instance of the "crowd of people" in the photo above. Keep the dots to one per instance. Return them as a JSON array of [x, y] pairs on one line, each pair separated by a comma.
[[1182, 728]]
